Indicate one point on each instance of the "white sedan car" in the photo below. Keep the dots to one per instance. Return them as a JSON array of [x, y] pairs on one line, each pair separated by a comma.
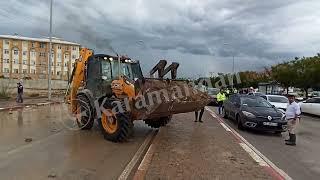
[[311, 106], [280, 102]]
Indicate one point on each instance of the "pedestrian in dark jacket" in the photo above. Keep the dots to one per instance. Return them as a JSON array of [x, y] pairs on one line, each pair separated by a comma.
[[20, 92]]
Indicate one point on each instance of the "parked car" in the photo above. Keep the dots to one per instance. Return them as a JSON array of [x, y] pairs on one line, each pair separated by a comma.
[[213, 94], [254, 112], [255, 94], [280, 102], [316, 94], [311, 106]]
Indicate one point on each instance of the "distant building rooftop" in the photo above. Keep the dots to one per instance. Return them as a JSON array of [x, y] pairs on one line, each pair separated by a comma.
[[54, 39]]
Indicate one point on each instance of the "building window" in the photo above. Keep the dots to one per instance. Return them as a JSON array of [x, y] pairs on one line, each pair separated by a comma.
[[59, 46], [24, 61], [24, 71], [15, 61], [16, 71], [67, 48], [58, 64], [33, 54], [24, 53], [16, 52], [65, 64], [74, 48], [33, 44], [33, 62], [59, 55], [74, 56], [58, 73], [6, 70], [7, 42], [33, 71], [42, 45], [6, 51], [6, 61], [42, 54]]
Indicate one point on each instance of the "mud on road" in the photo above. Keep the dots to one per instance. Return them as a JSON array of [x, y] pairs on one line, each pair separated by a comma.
[[190, 150]]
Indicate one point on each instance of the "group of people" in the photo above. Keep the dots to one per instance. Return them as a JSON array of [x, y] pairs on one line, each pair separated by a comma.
[[223, 95], [293, 112]]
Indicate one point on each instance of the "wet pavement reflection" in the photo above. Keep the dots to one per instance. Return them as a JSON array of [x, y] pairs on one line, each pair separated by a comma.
[[39, 143]]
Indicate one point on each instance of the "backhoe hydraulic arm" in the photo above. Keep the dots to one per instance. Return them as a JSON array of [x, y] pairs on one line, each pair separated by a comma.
[[78, 76]]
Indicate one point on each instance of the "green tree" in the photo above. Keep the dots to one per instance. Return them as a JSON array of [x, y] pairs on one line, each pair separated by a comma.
[[284, 73]]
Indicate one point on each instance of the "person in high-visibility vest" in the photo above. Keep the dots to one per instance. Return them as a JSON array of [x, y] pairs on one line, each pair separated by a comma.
[[221, 97]]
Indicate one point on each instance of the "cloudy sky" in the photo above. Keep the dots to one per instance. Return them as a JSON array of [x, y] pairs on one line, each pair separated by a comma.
[[202, 35]]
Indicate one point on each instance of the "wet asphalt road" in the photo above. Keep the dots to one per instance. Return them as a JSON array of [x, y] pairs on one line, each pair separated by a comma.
[[58, 152], [300, 162]]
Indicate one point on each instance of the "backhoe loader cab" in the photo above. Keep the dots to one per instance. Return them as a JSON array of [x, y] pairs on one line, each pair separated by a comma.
[[102, 70]]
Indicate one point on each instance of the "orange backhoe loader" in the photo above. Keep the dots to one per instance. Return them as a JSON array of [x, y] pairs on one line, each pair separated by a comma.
[[113, 91]]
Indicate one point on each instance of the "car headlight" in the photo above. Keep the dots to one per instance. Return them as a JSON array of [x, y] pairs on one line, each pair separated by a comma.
[[248, 114]]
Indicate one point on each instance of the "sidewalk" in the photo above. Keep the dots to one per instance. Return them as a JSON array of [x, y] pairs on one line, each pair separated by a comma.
[[185, 149], [12, 104]]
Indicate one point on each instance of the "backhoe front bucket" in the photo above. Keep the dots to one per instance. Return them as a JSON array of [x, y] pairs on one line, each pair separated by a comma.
[[160, 98]]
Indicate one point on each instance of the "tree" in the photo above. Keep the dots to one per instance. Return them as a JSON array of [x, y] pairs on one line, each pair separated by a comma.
[[308, 73], [284, 74]]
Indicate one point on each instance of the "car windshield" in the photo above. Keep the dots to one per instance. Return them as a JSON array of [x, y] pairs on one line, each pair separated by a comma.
[[278, 99], [213, 91], [255, 102]]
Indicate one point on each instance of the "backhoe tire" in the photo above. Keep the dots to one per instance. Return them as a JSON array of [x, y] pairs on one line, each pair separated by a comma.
[[119, 130], [87, 120], [157, 123]]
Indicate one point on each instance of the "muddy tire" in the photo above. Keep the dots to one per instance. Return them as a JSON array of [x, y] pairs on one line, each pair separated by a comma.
[[157, 123], [86, 120], [225, 114], [131, 131], [117, 129]]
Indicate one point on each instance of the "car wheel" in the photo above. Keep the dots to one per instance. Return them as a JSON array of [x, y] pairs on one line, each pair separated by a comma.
[[239, 123], [225, 114]]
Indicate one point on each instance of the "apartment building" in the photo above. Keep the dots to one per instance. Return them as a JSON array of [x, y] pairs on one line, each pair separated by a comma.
[[24, 57]]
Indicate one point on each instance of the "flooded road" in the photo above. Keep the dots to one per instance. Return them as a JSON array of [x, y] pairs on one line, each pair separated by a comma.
[[39, 143]]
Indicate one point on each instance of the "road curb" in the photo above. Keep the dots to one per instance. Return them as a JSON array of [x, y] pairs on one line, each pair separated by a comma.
[[256, 155], [28, 105], [133, 166]]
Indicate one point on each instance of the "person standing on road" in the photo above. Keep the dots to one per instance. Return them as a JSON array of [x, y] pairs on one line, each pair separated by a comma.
[[293, 116], [202, 88], [20, 92], [221, 97]]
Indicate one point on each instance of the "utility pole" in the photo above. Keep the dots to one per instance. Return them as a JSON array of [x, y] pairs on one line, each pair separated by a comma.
[[233, 70], [50, 54], [233, 63]]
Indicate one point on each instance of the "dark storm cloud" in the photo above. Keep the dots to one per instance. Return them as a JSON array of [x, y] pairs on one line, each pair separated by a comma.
[[257, 33]]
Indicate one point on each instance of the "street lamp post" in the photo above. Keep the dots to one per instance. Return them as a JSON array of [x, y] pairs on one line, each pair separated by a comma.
[[50, 54], [233, 70]]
